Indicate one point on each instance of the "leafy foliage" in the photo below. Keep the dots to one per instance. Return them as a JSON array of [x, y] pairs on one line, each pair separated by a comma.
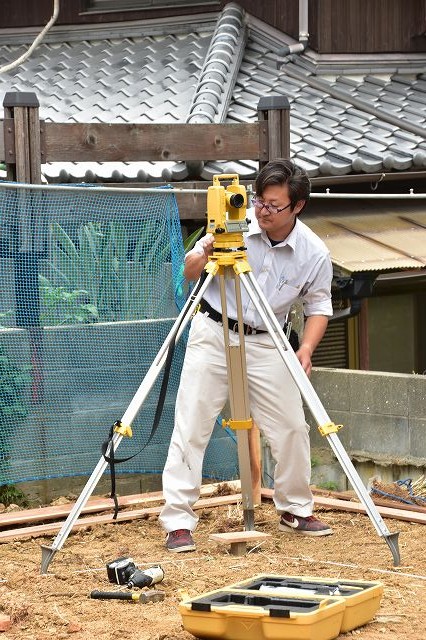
[[65, 307], [14, 382], [104, 275], [189, 242], [9, 494]]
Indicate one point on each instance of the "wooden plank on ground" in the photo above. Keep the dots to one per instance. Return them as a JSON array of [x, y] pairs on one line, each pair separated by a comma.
[[94, 505], [122, 516], [357, 507], [378, 501], [238, 540]]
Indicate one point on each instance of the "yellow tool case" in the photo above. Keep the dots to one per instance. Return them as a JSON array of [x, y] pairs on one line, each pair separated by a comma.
[[362, 599], [231, 614]]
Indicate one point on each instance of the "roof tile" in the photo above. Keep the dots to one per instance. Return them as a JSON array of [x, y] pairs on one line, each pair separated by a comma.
[[152, 78]]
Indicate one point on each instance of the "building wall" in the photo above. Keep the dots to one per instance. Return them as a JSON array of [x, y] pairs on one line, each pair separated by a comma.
[[367, 26], [335, 26]]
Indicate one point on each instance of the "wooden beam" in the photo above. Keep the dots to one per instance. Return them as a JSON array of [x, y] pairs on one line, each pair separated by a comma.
[[96, 504], [76, 142], [378, 500], [122, 516], [357, 507], [255, 463]]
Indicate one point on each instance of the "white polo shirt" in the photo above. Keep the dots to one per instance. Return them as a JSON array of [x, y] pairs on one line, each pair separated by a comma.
[[298, 267]]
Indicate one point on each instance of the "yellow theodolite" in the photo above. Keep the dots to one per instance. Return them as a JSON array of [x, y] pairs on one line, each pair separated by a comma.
[[227, 221]]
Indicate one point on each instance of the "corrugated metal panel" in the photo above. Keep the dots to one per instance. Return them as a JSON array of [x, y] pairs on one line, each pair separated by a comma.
[[373, 242]]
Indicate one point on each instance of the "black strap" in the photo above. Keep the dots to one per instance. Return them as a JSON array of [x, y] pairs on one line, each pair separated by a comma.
[[111, 459]]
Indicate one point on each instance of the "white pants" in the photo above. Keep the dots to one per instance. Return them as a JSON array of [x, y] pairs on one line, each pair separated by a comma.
[[275, 405]]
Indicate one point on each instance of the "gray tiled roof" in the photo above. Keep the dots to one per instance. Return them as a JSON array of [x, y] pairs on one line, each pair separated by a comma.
[[342, 124]]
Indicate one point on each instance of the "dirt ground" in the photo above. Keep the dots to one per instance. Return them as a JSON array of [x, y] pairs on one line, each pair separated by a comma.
[[57, 605]]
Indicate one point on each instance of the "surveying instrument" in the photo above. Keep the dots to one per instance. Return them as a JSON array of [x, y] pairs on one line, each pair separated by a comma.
[[226, 220]]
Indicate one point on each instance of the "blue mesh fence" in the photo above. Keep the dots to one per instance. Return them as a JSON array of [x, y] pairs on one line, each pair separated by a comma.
[[90, 285]]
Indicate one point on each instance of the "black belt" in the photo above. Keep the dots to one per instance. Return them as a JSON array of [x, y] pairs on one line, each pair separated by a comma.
[[248, 331], [232, 324]]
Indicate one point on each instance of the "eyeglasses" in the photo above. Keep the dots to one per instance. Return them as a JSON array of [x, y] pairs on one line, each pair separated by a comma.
[[270, 208]]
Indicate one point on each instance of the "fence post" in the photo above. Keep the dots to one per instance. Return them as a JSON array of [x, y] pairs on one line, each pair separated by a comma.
[[23, 164], [22, 137], [276, 142]]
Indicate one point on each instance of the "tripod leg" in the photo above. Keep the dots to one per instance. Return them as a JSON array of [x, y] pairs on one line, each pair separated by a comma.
[[238, 399], [128, 417], [326, 427]]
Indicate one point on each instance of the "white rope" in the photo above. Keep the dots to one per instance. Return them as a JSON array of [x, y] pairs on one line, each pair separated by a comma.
[[59, 187], [96, 189], [16, 63], [394, 571]]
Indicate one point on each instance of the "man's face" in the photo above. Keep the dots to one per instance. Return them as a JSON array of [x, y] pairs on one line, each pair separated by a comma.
[[274, 212]]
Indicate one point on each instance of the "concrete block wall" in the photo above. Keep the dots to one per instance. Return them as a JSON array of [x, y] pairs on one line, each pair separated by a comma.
[[384, 425]]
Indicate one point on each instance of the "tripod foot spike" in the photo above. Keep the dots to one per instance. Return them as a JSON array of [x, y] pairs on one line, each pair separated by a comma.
[[47, 554], [392, 542]]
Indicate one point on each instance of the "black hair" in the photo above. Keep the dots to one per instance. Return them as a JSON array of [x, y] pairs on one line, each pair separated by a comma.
[[284, 172]]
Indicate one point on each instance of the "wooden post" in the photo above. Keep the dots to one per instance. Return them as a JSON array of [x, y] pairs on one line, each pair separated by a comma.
[[275, 141], [23, 164], [255, 463], [22, 137]]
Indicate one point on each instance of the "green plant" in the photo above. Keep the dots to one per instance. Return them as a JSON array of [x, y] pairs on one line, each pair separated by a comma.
[[188, 244], [14, 383], [329, 485], [314, 462], [106, 274], [9, 494], [65, 307], [190, 241]]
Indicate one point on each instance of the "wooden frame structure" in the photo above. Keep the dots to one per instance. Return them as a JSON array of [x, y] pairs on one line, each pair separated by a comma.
[[29, 142]]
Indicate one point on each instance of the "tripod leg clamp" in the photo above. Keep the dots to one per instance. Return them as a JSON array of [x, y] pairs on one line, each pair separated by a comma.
[[241, 266], [328, 428], [122, 429], [238, 424], [212, 267]]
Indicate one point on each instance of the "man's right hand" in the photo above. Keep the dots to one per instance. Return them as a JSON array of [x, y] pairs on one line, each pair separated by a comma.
[[196, 259]]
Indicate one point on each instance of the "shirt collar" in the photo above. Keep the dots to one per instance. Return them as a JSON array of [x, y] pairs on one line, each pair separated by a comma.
[[254, 229]]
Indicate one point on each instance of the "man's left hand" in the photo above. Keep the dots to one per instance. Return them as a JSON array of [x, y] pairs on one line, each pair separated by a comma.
[[304, 355]]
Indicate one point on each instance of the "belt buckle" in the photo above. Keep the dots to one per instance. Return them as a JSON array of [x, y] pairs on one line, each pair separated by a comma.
[[235, 327]]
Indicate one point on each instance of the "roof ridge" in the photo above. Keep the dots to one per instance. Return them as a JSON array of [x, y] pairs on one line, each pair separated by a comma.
[[221, 65]]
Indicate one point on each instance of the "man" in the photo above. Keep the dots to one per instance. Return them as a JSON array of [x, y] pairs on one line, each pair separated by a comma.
[[289, 262]]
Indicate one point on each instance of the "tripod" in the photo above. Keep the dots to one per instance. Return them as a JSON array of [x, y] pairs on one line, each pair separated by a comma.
[[229, 261]]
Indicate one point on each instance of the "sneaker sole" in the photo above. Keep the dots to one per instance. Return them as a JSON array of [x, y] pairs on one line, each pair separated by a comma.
[[188, 547], [315, 534]]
